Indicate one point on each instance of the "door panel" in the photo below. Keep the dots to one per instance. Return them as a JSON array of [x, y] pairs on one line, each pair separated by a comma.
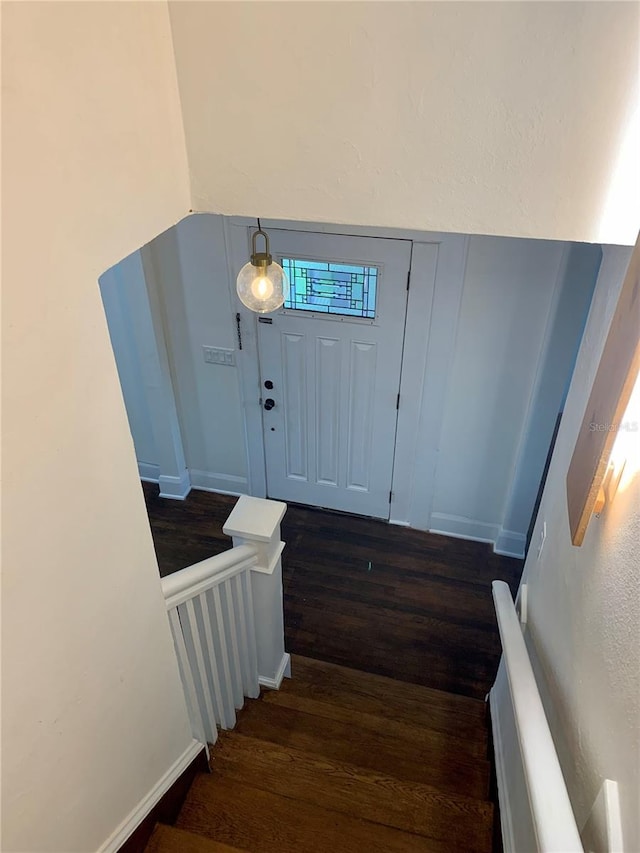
[[330, 437], [327, 410], [294, 393], [362, 387]]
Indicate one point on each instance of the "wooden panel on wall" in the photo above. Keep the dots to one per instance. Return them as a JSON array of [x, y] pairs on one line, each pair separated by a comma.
[[609, 398]]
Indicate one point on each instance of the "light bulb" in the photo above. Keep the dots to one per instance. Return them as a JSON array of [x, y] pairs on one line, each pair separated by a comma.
[[261, 287]]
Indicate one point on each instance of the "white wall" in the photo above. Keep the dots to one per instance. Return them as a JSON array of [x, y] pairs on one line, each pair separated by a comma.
[[184, 273], [569, 313], [505, 328], [138, 340], [133, 339], [189, 267], [94, 166], [584, 603], [508, 288], [483, 118]]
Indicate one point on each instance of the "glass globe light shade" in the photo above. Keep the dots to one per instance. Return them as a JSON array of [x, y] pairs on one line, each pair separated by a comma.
[[262, 288]]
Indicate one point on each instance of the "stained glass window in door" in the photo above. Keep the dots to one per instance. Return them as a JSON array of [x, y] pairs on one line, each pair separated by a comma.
[[331, 288]]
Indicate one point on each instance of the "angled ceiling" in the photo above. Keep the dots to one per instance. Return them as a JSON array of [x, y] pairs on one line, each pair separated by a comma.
[[497, 118]]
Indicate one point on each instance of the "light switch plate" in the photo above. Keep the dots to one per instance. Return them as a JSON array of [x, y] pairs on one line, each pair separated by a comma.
[[219, 355]]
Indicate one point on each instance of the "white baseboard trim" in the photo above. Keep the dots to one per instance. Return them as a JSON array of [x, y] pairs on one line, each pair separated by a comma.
[[284, 669], [135, 817], [507, 543], [510, 544], [175, 487], [506, 821], [148, 471], [463, 528], [223, 484]]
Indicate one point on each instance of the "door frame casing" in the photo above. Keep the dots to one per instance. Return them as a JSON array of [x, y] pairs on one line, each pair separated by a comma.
[[437, 273], [238, 246]]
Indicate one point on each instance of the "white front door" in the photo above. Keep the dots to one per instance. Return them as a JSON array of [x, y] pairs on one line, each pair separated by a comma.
[[330, 370]]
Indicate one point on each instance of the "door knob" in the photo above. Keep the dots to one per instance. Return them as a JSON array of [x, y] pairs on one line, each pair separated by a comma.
[[269, 404], [268, 385]]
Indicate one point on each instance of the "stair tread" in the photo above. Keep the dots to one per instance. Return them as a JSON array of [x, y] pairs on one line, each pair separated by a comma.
[[419, 735], [332, 739], [248, 817], [412, 704], [339, 786], [170, 839]]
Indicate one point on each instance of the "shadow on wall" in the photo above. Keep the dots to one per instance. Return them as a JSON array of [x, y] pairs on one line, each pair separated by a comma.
[[163, 304]]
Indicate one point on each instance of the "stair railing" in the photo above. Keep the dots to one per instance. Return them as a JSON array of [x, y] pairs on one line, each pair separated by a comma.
[[535, 808], [226, 618]]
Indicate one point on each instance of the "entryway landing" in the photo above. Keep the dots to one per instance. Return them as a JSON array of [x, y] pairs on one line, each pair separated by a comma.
[[361, 593]]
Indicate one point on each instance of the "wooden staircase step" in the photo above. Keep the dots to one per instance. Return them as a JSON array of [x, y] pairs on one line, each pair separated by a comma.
[[465, 748], [248, 817], [346, 788], [406, 703], [169, 839], [386, 754]]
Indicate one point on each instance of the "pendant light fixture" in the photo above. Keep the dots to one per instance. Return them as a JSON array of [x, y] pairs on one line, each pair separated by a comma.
[[262, 284]]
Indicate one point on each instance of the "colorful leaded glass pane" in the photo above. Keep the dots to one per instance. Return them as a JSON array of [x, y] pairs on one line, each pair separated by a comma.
[[329, 288]]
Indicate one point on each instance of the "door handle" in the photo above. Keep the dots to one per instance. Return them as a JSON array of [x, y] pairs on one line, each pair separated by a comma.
[[269, 404]]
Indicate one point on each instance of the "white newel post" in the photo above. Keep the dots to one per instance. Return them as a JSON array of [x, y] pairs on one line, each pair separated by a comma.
[[256, 522]]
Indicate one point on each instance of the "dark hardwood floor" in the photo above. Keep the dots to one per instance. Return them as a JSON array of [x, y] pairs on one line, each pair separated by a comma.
[[185, 532], [358, 592]]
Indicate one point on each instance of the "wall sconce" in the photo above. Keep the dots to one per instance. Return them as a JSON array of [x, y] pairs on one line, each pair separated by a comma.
[[262, 284]]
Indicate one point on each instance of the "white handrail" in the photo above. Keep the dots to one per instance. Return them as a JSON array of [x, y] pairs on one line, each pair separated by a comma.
[[189, 582], [553, 818], [211, 616], [226, 617]]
